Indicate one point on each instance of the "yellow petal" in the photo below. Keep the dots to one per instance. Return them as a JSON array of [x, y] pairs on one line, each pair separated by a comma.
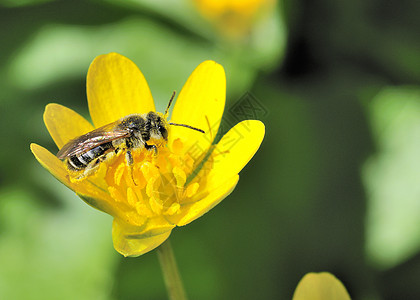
[[116, 88], [193, 211], [64, 124], [132, 240], [235, 150], [52, 164], [200, 104], [320, 286], [85, 190]]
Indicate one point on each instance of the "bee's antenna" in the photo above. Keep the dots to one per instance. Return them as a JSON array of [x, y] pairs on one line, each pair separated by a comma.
[[169, 104], [176, 124], [188, 126]]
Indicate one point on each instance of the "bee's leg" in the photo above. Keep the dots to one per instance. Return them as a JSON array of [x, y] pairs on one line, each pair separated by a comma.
[[149, 147], [129, 158], [91, 168], [130, 162]]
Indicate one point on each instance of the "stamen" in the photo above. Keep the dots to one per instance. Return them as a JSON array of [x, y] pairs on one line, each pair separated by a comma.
[[156, 205], [115, 194], [180, 177], [139, 177], [131, 197], [153, 186], [149, 170], [173, 209], [144, 209], [119, 173], [177, 146], [192, 189], [150, 187]]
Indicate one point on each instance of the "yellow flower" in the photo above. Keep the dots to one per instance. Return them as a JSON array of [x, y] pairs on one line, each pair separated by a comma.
[[320, 286], [234, 17], [186, 178]]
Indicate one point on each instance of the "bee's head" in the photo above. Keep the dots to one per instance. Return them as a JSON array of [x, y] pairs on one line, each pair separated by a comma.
[[158, 126]]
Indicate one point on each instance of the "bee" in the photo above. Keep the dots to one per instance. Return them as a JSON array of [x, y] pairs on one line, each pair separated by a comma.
[[148, 131]]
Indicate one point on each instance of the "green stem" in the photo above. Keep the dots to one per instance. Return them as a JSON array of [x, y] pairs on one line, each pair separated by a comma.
[[171, 276]]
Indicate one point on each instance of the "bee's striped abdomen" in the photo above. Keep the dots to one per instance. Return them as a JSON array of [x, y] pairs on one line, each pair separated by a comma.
[[80, 162]]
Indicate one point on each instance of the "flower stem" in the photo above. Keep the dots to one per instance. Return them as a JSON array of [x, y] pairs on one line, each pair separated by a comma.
[[171, 275]]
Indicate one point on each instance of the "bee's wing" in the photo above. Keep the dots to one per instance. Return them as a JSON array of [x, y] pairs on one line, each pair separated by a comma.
[[91, 140]]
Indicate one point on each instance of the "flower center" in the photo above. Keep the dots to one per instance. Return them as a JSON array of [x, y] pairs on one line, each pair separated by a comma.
[[153, 186]]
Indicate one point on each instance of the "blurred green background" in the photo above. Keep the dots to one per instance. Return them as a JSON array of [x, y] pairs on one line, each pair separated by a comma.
[[334, 187]]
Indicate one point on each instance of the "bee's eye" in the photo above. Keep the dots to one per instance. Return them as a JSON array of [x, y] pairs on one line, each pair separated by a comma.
[[163, 132]]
